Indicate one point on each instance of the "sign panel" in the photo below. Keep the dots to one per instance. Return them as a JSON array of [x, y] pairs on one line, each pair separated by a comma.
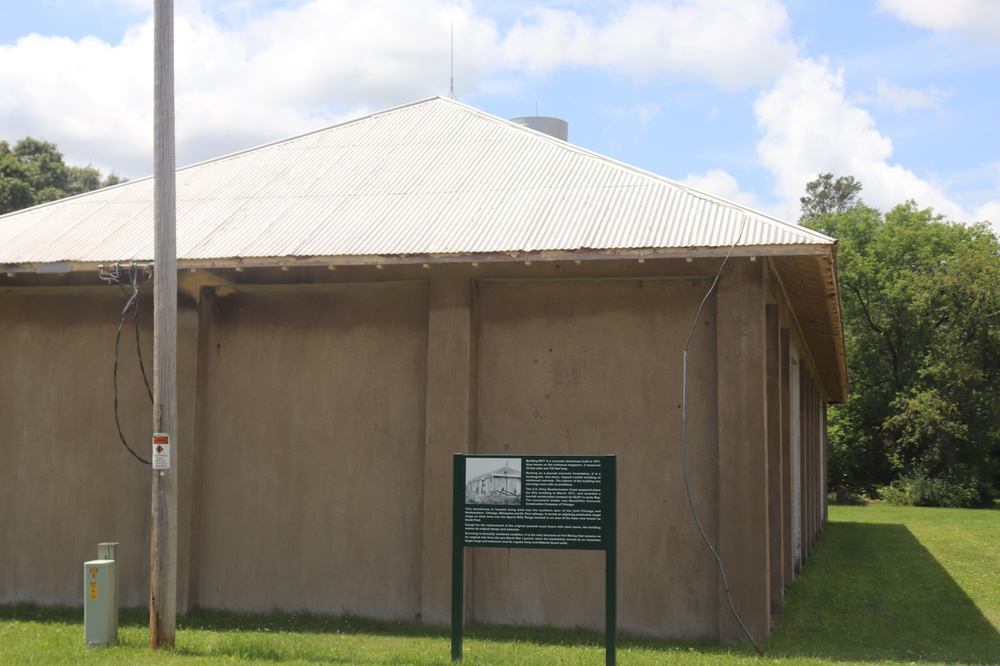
[[161, 451], [536, 502]]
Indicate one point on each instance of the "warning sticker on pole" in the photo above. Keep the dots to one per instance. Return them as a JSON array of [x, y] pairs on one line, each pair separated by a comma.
[[161, 450]]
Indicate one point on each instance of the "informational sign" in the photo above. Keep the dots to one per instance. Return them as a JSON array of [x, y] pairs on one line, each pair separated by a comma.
[[535, 502], [161, 451], [556, 502]]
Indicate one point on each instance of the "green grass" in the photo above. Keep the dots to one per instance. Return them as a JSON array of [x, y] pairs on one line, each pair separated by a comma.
[[884, 585], [898, 584]]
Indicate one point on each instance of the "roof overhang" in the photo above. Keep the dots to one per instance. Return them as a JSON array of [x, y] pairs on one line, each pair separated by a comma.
[[811, 286], [807, 274], [583, 254]]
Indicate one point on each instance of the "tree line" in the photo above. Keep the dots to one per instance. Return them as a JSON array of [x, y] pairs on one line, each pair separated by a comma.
[[921, 302], [33, 172]]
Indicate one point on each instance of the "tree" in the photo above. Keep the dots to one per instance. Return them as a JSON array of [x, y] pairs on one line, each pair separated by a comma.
[[827, 196], [33, 172], [921, 300]]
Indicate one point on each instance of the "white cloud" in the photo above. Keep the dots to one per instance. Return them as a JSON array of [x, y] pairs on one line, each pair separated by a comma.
[[810, 127], [248, 77], [93, 98], [248, 72], [980, 18], [807, 121], [990, 212], [297, 68], [353, 50], [731, 43], [899, 99], [720, 183]]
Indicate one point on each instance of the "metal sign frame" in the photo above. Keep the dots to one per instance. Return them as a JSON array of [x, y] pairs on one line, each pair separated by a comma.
[[531, 501]]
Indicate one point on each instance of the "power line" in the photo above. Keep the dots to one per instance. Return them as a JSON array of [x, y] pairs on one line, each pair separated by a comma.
[[135, 274], [684, 441]]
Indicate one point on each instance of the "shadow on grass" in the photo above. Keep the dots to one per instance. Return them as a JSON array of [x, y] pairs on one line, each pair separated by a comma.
[[304, 622], [29, 612], [872, 592], [352, 624], [247, 636]]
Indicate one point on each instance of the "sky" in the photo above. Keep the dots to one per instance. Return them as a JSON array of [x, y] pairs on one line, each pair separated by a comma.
[[746, 99]]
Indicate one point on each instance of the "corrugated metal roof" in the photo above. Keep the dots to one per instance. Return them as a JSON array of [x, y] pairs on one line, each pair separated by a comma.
[[433, 178]]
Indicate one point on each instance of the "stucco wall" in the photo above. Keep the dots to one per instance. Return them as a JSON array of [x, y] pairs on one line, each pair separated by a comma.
[[68, 483], [312, 450], [590, 368]]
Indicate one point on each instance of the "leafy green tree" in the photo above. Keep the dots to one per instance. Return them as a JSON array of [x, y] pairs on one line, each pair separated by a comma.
[[15, 189], [826, 195], [33, 172], [921, 300]]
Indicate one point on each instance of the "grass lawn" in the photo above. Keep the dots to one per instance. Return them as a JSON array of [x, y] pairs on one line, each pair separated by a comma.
[[898, 584], [884, 585]]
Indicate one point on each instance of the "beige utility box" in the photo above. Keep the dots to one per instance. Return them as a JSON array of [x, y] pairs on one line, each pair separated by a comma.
[[99, 603]]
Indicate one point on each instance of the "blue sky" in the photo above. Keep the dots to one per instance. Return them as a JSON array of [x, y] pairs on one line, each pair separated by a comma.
[[747, 99]]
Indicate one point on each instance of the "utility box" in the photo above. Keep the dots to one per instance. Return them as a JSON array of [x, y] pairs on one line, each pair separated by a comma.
[[99, 603]]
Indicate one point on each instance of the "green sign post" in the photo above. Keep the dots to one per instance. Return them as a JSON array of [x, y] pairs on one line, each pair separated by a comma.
[[560, 502]]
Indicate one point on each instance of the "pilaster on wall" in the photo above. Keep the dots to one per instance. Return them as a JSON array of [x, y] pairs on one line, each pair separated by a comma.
[[808, 462], [814, 452], [824, 462], [774, 464], [743, 461], [449, 386], [788, 529], [188, 585]]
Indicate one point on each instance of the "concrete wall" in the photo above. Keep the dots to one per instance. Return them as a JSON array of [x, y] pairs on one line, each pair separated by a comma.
[[318, 422], [68, 483], [590, 368], [312, 450]]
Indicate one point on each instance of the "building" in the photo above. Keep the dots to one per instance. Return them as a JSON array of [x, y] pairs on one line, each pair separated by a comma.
[[359, 303], [496, 486]]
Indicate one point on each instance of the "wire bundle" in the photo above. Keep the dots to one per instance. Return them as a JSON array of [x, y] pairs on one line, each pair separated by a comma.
[[135, 275]]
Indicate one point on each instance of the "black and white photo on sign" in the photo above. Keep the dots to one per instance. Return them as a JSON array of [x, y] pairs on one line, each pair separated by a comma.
[[493, 481]]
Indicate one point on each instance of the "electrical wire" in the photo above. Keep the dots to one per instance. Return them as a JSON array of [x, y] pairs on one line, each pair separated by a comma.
[[135, 280], [684, 440]]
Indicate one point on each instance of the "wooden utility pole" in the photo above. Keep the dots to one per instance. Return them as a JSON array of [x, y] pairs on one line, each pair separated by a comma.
[[163, 541]]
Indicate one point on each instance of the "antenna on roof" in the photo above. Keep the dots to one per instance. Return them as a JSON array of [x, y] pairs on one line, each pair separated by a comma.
[[451, 91]]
